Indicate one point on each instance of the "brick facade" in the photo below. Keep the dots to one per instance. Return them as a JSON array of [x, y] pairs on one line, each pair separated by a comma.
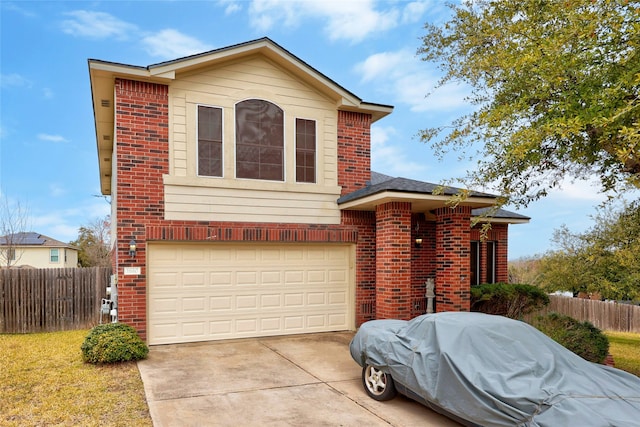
[[393, 261], [390, 271], [453, 243], [354, 150]]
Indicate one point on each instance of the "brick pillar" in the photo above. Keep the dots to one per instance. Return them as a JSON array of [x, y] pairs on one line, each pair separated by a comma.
[[453, 243], [502, 252], [142, 157], [354, 150], [393, 261], [365, 223]]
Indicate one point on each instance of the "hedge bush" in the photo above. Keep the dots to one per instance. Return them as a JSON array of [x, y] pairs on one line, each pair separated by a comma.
[[113, 342], [583, 338], [511, 300]]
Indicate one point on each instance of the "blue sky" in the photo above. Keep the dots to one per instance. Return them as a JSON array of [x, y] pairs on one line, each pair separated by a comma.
[[48, 158]]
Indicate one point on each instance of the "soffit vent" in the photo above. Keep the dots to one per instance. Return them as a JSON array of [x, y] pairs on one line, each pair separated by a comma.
[[105, 103], [106, 137]]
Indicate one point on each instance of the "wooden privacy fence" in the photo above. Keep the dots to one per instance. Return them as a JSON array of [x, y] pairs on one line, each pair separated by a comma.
[[604, 315], [55, 299]]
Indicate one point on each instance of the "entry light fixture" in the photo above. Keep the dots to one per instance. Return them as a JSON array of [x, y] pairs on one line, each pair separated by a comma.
[[132, 248], [418, 242]]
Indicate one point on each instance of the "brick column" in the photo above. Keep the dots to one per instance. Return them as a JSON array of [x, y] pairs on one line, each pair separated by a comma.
[[453, 243], [142, 157], [354, 150], [393, 261]]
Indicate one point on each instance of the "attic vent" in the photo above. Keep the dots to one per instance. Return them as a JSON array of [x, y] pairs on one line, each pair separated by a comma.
[[106, 137], [105, 103]]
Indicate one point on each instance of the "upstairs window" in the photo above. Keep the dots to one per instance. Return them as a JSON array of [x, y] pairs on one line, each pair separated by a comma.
[[209, 141], [259, 140], [54, 255], [305, 150]]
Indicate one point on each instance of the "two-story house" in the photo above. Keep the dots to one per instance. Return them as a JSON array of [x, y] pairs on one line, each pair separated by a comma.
[[29, 249], [244, 205]]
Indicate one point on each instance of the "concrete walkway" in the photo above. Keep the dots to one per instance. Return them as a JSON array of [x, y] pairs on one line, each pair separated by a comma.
[[302, 380]]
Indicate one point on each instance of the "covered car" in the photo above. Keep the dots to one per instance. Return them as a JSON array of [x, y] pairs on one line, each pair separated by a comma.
[[485, 370]]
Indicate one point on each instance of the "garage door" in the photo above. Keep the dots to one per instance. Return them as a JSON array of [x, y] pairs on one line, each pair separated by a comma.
[[201, 292]]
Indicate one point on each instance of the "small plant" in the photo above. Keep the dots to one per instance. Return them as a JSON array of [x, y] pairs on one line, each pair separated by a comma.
[[582, 338], [113, 342], [507, 299]]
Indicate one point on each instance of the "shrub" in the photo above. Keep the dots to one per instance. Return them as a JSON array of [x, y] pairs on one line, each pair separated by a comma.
[[113, 342], [582, 338], [507, 299]]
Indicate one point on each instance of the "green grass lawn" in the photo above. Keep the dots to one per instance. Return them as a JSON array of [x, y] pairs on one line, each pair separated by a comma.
[[625, 349], [43, 381]]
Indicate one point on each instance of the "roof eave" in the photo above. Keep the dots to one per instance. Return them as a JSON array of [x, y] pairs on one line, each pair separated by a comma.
[[421, 202]]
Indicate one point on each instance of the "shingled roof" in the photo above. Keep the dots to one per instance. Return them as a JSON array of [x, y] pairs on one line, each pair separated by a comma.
[[381, 183], [34, 239]]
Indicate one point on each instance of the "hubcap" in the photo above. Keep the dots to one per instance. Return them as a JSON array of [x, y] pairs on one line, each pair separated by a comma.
[[376, 380]]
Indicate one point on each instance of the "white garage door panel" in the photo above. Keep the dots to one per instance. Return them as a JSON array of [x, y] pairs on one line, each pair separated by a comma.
[[202, 292]]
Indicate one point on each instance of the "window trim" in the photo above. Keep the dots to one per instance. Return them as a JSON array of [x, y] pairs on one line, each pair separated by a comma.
[[57, 255], [478, 269], [198, 105], [284, 141], [490, 246], [315, 151]]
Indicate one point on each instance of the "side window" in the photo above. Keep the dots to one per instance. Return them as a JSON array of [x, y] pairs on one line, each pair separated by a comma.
[[491, 262], [209, 141], [259, 140], [305, 150], [54, 255], [475, 263]]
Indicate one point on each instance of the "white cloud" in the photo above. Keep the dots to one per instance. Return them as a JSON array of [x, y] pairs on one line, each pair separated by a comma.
[[404, 77], [63, 224], [47, 93], [391, 159], [56, 190], [230, 6], [170, 43], [96, 25], [14, 80], [343, 20], [51, 138]]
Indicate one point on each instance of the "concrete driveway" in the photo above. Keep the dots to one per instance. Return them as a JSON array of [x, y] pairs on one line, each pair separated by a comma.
[[302, 380]]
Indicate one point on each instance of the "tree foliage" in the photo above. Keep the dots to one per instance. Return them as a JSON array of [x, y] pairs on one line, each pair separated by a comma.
[[604, 259], [94, 244], [556, 86]]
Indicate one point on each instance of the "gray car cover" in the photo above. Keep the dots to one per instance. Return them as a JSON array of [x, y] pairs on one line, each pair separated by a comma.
[[495, 371]]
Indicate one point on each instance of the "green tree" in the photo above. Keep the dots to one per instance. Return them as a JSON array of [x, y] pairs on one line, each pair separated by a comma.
[[94, 243], [555, 84], [604, 259]]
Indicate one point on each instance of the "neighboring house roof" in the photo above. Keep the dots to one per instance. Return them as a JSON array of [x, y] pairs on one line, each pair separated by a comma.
[[384, 188], [103, 74], [33, 239]]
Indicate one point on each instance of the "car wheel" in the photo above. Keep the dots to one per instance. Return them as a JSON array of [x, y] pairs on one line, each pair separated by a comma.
[[377, 384]]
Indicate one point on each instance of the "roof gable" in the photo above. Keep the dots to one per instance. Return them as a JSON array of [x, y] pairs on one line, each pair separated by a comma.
[[103, 74]]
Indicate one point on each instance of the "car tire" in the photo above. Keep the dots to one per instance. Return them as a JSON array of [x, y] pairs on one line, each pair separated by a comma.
[[377, 384]]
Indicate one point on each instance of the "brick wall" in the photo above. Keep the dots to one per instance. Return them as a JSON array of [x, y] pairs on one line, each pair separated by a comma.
[[141, 111], [143, 158], [423, 261], [499, 234], [354, 150], [364, 223], [393, 261], [453, 243]]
